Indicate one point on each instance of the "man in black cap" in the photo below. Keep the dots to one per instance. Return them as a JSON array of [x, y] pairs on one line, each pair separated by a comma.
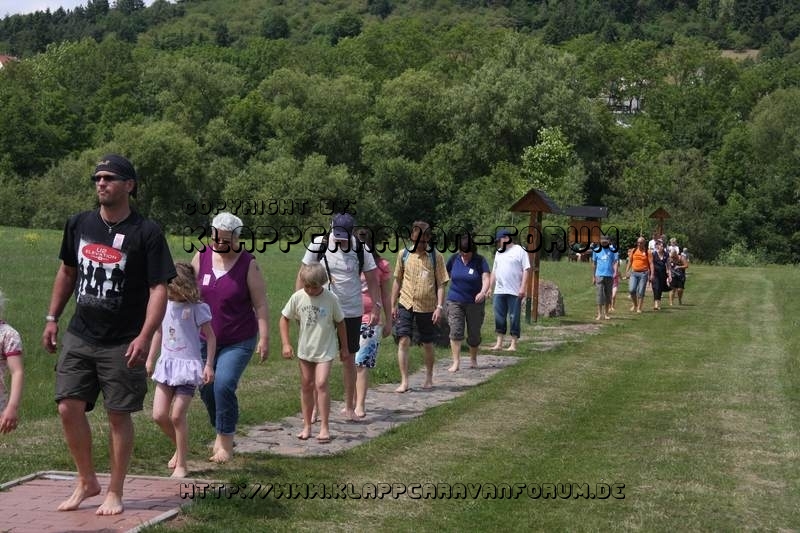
[[108, 337]]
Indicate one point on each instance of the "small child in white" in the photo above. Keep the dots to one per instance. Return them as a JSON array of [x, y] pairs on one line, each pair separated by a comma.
[[322, 335], [180, 370], [11, 361]]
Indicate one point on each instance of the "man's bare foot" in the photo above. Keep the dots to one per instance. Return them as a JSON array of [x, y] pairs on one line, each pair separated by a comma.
[[111, 506], [512, 347], [305, 434], [428, 384], [172, 462], [221, 456], [180, 472], [323, 437], [360, 412], [80, 493], [633, 308], [611, 309], [598, 317], [453, 368], [473, 363], [607, 317], [349, 414], [496, 347], [402, 388]]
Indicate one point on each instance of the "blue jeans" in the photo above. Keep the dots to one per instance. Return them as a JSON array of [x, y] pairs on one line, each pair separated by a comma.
[[507, 304], [220, 396], [638, 283]]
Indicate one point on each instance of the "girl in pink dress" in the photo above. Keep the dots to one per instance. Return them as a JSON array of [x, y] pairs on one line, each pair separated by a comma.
[[180, 369]]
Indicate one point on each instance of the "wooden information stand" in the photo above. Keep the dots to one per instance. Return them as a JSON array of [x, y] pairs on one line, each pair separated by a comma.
[[660, 214], [535, 202]]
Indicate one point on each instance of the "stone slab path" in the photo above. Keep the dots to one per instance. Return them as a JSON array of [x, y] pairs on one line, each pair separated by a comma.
[[385, 410]]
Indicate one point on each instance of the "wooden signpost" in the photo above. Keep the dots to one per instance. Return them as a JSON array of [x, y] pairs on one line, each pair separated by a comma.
[[535, 202]]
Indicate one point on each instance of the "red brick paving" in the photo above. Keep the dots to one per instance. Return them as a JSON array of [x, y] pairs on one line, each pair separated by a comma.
[[29, 504]]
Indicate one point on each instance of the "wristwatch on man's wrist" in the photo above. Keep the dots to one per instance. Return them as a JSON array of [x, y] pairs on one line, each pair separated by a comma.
[[51, 318]]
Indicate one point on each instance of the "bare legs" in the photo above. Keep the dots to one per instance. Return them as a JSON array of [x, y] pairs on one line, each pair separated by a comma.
[[636, 303], [169, 412], [349, 383], [455, 350], [362, 384], [402, 361], [79, 440], [314, 378]]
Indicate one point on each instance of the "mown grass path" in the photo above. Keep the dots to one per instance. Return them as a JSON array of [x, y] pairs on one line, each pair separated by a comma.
[[694, 409]]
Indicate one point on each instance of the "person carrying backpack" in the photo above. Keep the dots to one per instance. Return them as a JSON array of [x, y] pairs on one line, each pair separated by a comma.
[[418, 297]]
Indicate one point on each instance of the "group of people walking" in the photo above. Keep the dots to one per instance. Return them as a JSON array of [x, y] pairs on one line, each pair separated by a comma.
[[195, 325], [663, 267]]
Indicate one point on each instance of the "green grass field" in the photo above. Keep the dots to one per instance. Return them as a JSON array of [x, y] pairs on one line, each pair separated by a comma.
[[695, 409]]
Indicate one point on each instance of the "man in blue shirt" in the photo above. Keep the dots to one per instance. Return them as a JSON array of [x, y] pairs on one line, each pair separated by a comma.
[[605, 263]]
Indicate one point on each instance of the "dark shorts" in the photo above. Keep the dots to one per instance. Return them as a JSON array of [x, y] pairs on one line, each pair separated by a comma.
[[404, 328], [353, 328], [83, 370], [183, 390]]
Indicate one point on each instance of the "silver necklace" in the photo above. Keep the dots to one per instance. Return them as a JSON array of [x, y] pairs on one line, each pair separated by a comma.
[[109, 226]]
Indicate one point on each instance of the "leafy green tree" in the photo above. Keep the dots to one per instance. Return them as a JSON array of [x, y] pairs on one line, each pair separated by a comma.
[[412, 107], [347, 24], [190, 91], [171, 169], [274, 26], [553, 166], [380, 8]]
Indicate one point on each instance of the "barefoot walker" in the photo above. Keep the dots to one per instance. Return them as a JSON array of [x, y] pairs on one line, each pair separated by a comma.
[[116, 315], [509, 278], [418, 297], [232, 285], [322, 335], [180, 369]]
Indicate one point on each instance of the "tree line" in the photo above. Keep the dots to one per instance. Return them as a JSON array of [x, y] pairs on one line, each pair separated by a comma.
[[416, 110]]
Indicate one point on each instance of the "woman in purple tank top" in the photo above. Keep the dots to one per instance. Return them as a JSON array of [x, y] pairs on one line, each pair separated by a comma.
[[233, 286]]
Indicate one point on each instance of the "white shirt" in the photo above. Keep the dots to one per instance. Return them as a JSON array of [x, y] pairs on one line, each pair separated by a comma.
[[345, 280], [509, 266]]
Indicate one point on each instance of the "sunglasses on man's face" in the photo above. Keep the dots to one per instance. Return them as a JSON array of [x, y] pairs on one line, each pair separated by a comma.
[[107, 177]]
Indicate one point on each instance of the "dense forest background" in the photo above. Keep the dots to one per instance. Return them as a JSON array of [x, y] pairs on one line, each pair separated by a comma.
[[446, 110]]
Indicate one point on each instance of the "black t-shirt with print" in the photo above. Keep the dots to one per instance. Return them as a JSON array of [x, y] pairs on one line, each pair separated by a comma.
[[116, 269]]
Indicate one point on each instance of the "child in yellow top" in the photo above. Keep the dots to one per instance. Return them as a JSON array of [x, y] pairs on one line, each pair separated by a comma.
[[322, 335]]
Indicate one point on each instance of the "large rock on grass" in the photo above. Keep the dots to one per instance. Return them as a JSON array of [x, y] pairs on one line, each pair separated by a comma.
[[551, 302]]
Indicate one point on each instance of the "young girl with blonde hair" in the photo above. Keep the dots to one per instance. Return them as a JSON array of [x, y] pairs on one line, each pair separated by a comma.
[[180, 370]]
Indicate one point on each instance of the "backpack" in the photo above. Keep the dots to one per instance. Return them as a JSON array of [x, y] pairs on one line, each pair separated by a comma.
[[322, 256]]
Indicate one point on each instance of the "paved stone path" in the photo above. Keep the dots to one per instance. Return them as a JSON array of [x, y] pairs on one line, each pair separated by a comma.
[[385, 410], [28, 505]]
